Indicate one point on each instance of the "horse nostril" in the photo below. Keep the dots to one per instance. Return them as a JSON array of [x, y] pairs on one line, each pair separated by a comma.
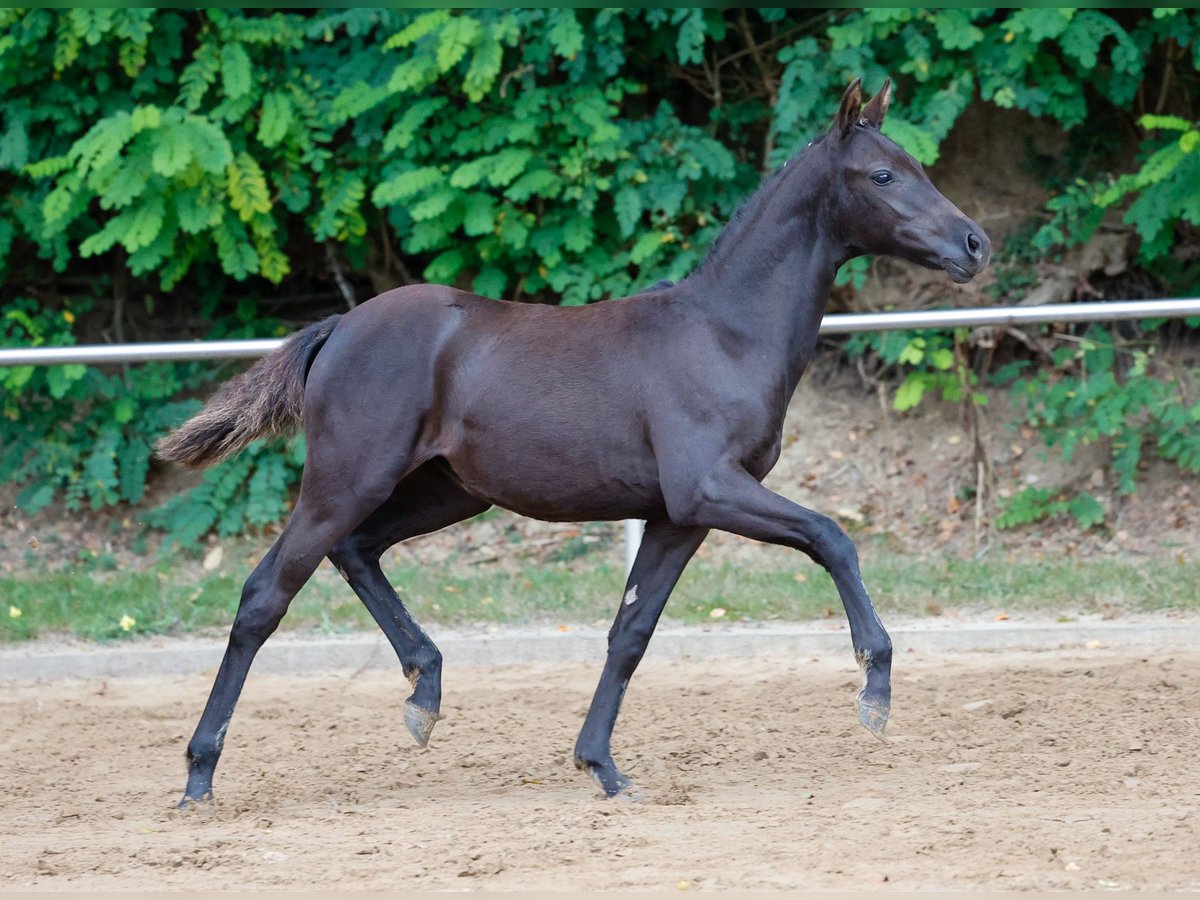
[[974, 246]]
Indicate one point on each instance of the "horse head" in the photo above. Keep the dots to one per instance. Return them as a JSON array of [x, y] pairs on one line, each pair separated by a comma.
[[885, 204]]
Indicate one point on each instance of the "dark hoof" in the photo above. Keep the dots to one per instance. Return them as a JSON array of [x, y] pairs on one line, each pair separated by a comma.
[[873, 714], [614, 782], [420, 722], [190, 804]]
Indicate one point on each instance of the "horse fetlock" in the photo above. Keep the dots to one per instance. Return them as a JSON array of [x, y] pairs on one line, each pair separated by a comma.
[[873, 703]]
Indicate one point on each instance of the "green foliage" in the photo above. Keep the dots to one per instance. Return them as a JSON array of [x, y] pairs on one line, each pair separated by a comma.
[[247, 492], [74, 433], [1032, 504], [1160, 195], [82, 437], [562, 155], [1100, 392], [497, 147], [1103, 393], [234, 139], [928, 361]]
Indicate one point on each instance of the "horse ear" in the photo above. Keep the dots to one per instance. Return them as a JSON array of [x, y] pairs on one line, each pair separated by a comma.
[[848, 112], [876, 109]]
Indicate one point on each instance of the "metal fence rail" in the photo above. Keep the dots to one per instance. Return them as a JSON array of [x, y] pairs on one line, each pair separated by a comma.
[[831, 324]]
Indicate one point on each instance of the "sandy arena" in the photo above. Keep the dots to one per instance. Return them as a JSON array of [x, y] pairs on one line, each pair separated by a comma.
[[1048, 770]]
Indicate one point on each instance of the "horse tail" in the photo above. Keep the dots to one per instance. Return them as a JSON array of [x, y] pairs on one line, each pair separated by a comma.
[[266, 400]]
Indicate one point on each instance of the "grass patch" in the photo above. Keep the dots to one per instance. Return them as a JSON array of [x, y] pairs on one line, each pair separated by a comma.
[[108, 605]]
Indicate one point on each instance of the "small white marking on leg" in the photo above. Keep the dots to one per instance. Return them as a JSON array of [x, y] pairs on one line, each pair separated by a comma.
[[631, 595]]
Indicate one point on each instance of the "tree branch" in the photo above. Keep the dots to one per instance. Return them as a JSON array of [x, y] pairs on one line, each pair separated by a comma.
[[335, 266]]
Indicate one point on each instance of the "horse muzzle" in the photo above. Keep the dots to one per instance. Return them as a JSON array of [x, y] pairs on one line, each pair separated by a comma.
[[972, 257]]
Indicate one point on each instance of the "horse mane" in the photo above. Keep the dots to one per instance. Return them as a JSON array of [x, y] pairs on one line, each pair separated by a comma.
[[763, 190]]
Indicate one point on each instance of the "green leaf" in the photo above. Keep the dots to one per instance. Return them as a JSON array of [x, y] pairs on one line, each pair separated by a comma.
[[197, 209], [145, 118], [628, 207], [540, 182], [198, 75], [276, 118], [60, 379], [578, 234], [913, 352], [916, 141], [1040, 24], [454, 40], [142, 224], [942, 358], [910, 392], [103, 142], [1170, 123], [486, 62], [1087, 510], [423, 25], [14, 144], [172, 150], [445, 266], [689, 44], [247, 186], [1084, 35], [433, 205], [647, 245], [490, 282], [133, 466], [129, 182], [208, 144], [480, 215], [58, 201], [508, 164], [956, 31], [565, 34], [401, 135], [235, 71], [406, 184], [235, 252]]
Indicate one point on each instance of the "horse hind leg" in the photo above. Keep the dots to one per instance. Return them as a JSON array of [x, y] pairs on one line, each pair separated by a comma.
[[320, 520], [426, 500]]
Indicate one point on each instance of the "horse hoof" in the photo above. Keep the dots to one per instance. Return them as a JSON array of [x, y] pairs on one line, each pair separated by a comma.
[[193, 804], [615, 783], [873, 715], [629, 792], [420, 722]]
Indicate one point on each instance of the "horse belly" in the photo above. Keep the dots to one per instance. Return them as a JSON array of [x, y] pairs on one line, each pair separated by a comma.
[[567, 481]]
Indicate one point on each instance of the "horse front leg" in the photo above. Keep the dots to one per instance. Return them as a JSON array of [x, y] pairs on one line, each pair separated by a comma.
[[734, 501], [661, 558]]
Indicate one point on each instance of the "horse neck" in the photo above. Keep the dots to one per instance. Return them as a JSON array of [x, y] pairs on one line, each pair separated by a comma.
[[770, 273]]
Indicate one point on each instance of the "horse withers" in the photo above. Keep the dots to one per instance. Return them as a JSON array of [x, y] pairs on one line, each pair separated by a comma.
[[427, 405]]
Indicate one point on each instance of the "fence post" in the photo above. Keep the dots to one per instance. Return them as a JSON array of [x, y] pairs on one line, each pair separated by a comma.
[[633, 540]]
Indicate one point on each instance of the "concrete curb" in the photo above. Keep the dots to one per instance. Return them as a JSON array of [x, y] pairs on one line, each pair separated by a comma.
[[292, 654]]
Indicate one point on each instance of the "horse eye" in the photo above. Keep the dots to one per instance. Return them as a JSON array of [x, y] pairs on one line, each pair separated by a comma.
[[881, 177]]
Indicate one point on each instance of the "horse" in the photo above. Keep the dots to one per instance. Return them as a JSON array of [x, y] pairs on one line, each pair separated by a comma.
[[428, 405]]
